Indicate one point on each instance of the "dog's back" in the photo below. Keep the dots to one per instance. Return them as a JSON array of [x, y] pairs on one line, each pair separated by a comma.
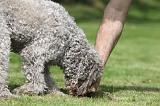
[[28, 17]]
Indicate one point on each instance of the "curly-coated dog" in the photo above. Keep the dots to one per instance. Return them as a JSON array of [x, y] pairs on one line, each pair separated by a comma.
[[44, 34]]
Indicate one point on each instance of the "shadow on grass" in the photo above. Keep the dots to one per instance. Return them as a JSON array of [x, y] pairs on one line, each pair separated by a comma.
[[112, 89], [107, 90]]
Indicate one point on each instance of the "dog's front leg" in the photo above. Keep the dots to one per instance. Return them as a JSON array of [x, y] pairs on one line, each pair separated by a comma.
[[33, 65]]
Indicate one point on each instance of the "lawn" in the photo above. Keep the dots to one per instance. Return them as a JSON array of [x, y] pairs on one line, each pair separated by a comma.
[[131, 76]]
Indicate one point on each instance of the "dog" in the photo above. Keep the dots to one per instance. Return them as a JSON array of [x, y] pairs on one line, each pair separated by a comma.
[[44, 34]]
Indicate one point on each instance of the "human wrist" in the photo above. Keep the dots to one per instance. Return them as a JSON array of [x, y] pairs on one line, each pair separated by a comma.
[[103, 54]]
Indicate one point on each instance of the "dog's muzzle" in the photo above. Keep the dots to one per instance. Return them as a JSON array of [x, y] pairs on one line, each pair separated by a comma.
[[83, 90]]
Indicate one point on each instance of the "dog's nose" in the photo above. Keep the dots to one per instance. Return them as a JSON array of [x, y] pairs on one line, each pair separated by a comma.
[[73, 91], [72, 88]]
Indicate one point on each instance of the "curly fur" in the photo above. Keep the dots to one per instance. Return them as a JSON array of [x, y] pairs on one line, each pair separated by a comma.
[[44, 34]]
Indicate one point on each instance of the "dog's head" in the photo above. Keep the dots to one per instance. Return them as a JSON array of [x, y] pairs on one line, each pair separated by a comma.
[[83, 72]]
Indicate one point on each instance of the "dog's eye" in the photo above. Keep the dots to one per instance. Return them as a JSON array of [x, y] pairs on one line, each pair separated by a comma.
[[81, 80]]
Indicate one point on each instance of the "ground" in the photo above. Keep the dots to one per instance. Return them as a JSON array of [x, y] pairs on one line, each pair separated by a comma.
[[131, 77]]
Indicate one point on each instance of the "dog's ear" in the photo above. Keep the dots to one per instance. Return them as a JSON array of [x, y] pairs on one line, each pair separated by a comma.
[[94, 86], [95, 76]]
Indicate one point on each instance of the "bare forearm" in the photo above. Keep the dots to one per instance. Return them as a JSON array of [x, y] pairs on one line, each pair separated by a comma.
[[111, 27]]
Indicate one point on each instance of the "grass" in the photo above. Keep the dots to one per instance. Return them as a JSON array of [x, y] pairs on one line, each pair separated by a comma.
[[131, 77]]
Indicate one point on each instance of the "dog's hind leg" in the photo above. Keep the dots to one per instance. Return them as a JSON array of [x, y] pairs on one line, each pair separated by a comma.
[[4, 58]]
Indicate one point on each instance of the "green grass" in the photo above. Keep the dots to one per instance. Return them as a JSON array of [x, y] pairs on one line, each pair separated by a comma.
[[131, 77]]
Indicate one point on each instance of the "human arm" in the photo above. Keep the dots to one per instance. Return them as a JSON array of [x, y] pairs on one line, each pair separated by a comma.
[[111, 27]]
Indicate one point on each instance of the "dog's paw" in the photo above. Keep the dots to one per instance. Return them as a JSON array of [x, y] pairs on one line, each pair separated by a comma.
[[30, 89], [59, 93], [56, 91], [5, 94]]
